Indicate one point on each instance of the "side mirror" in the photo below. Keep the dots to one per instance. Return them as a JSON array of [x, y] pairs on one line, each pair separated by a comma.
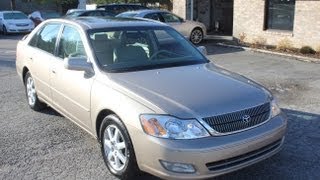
[[203, 50], [78, 64]]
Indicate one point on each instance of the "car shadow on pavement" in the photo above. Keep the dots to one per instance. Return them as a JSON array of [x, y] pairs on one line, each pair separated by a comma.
[[10, 64], [50, 111]]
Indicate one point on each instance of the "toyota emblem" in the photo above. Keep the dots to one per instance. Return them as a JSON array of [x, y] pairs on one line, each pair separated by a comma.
[[246, 118]]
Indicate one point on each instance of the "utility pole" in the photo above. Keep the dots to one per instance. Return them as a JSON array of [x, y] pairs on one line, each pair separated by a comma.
[[82, 4], [13, 4]]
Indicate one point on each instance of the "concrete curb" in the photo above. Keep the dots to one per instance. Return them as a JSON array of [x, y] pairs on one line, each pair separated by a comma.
[[296, 57]]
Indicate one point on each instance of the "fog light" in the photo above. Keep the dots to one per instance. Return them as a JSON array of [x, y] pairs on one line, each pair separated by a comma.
[[178, 167]]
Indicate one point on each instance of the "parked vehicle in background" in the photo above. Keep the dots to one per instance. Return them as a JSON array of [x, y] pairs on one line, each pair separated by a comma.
[[15, 22], [39, 16], [89, 13], [74, 10], [120, 8], [195, 31], [153, 100]]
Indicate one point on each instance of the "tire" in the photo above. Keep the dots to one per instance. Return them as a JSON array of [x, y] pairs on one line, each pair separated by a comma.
[[118, 153], [196, 36], [31, 93], [4, 30]]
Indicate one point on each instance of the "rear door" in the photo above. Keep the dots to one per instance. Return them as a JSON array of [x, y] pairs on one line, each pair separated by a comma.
[[39, 56], [71, 90]]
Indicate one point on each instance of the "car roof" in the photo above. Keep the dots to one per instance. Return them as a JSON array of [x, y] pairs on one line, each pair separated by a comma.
[[124, 4], [146, 11], [93, 10], [109, 22]]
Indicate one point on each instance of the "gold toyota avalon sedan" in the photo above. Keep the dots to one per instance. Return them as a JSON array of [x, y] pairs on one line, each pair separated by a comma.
[[150, 97]]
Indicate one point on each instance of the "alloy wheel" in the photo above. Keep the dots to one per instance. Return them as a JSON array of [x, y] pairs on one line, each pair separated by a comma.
[[115, 148], [196, 36], [31, 91]]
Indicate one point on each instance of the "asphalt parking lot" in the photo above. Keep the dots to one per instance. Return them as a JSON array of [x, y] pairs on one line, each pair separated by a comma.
[[45, 145]]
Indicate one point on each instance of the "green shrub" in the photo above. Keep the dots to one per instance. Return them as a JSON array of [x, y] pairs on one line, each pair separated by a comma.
[[307, 50]]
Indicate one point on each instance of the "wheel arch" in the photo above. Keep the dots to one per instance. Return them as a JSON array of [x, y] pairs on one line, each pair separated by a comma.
[[197, 27], [101, 115], [24, 72]]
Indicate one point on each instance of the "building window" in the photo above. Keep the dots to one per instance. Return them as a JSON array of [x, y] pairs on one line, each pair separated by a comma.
[[280, 14]]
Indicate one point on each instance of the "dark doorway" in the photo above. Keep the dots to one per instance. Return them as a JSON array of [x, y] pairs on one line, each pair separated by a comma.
[[221, 17]]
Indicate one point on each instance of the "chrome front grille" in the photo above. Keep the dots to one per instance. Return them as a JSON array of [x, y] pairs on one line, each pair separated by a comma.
[[236, 121], [22, 25]]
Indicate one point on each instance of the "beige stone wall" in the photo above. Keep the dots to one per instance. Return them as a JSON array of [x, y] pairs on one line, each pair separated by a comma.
[[179, 8], [249, 20]]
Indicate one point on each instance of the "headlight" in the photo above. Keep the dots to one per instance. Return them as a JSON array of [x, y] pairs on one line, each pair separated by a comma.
[[172, 128], [275, 110]]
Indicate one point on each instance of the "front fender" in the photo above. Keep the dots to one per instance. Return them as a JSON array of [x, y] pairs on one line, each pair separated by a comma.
[[104, 97]]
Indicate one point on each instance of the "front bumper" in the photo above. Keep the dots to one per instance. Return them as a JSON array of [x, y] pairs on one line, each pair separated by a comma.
[[210, 156], [17, 29]]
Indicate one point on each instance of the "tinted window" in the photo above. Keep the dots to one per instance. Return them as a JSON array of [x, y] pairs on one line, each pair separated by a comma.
[[50, 15], [95, 13], [34, 40], [47, 38], [106, 13], [170, 18], [127, 14], [280, 14], [154, 16], [70, 44], [75, 14]]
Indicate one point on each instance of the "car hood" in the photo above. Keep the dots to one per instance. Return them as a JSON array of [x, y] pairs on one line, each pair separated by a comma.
[[191, 91]]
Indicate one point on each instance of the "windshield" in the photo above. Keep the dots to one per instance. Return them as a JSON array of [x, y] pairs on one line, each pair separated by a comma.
[[127, 14], [74, 14], [49, 15], [133, 49], [14, 16]]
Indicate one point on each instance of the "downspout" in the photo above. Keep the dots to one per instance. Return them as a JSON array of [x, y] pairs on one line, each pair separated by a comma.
[[191, 10]]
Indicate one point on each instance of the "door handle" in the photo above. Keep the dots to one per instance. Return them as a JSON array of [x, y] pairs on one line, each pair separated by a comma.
[[53, 70]]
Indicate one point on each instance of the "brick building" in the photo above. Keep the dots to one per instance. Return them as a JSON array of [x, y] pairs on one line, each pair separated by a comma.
[[269, 21]]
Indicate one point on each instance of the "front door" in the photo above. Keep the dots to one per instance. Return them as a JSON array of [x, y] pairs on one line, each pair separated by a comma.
[[71, 90]]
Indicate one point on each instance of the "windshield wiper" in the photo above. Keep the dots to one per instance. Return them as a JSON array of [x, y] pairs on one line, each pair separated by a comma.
[[154, 66]]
